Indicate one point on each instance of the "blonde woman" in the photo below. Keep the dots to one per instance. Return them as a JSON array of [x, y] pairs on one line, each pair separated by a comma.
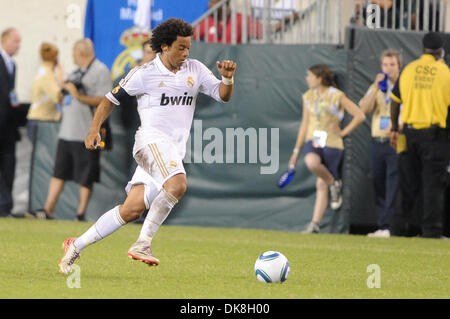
[[46, 90]]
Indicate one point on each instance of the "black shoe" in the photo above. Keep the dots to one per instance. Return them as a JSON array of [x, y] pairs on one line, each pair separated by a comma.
[[81, 218]]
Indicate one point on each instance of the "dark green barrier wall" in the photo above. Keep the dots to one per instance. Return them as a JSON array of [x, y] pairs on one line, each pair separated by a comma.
[[106, 194], [269, 84], [267, 99]]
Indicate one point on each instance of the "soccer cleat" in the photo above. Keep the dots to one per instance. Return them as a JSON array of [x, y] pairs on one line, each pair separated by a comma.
[[142, 251], [312, 228], [70, 255], [336, 195], [380, 233]]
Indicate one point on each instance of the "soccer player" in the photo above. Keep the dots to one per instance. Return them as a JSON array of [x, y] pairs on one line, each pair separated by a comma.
[[166, 89]]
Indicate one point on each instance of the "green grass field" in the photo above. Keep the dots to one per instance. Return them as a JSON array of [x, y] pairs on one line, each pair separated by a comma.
[[214, 263]]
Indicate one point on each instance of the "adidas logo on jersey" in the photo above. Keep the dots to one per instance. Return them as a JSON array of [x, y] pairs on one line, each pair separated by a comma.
[[176, 100]]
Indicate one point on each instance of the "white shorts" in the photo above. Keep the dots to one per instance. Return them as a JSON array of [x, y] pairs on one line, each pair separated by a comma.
[[157, 163], [151, 189]]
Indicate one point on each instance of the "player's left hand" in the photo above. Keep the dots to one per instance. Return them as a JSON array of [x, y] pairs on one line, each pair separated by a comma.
[[226, 68]]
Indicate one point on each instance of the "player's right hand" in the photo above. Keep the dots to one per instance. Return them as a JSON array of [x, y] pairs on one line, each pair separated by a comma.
[[92, 141]]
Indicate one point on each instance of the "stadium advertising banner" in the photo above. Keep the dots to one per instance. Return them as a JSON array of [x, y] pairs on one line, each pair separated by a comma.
[[119, 44]]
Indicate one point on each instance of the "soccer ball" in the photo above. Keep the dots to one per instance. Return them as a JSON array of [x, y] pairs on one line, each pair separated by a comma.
[[272, 266]]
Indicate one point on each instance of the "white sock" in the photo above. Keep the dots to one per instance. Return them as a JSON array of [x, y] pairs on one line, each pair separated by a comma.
[[159, 210], [107, 224]]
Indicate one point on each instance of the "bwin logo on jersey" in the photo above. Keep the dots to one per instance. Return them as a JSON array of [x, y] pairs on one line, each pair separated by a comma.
[[176, 100]]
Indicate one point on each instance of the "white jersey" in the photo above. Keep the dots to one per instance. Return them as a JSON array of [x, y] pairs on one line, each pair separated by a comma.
[[166, 100]]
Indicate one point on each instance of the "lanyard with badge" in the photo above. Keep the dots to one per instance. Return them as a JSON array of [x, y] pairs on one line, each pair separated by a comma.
[[320, 137], [385, 121], [13, 99]]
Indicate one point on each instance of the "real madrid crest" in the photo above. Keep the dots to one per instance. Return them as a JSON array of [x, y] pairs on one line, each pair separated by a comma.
[[132, 39], [190, 81]]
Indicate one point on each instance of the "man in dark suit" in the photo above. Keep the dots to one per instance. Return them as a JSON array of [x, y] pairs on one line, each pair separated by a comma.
[[9, 135]]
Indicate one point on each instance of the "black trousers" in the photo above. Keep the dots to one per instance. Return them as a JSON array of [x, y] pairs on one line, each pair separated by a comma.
[[383, 165], [426, 158], [7, 170], [406, 223]]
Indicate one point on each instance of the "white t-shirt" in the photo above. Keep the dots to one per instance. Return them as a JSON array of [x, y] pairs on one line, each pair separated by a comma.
[[166, 100]]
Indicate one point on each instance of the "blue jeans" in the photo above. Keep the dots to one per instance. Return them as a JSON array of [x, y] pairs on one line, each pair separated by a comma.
[[31, 129]]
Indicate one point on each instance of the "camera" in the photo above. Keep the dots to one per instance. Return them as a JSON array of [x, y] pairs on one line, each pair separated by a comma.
[[67, 98], [77, 84], [75, 78]]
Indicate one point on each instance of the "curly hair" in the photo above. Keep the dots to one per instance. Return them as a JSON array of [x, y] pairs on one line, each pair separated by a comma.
[[167, 32]]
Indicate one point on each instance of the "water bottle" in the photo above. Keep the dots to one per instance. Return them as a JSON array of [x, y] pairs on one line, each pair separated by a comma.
[[286, 178], [383, 85]]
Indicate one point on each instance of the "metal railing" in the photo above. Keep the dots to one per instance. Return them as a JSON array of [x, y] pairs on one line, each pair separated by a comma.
[[319, 21], [314, 21], [411, 15], [270, 21]]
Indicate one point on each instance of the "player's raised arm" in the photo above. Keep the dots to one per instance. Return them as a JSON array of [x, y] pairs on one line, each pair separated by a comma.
[[226, 69]]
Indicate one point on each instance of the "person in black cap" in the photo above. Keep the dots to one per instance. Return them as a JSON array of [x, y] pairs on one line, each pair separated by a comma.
[[424, 90]]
